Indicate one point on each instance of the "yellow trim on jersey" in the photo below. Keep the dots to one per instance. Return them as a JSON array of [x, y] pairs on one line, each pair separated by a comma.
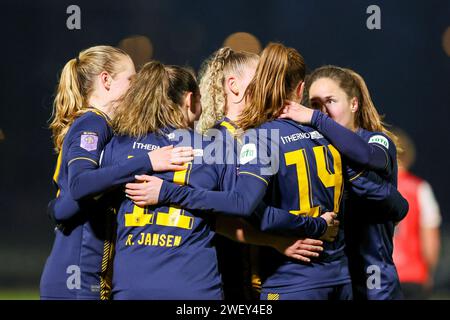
[[107, 259], [273, 296], [358, 175], [255, 175], [57, 171], [256, 282], [228, 126], [102, 114], [82, 158], [231, 129], [58, 167]]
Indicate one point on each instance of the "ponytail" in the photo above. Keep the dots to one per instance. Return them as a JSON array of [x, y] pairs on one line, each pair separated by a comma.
[[76, 84], [279, 71], [212, 91], [212, 82], [68, 103]]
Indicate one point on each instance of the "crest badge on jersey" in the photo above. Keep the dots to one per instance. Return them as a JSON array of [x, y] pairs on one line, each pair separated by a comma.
[[89, 141]]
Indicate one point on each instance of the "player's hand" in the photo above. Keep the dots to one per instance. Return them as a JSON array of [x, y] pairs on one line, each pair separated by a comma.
[[297, 112], [145, 191], [169, 158], [332, 226], [299, 249]]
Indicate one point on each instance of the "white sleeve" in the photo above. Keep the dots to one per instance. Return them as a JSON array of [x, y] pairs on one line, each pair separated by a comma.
[[430, 215]]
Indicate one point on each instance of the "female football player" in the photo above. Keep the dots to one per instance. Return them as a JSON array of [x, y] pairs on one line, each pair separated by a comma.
[[166, 252], [283, 169], [301, 159], [351, 122], [89, 88]]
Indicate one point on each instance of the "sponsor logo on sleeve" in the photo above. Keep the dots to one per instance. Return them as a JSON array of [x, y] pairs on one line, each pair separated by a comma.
[[379, 139]]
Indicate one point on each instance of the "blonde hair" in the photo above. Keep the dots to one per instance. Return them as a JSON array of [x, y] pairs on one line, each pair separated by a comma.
[[279, 71], [76, 84], [367, 116], [223, 62], [153, 100]]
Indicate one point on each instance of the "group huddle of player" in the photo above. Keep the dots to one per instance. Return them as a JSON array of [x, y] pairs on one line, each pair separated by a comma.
[[297, 171]]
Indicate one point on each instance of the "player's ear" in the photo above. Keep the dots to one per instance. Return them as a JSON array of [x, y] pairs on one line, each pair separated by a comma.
[[232, 85], [299, 90], [105, 79], [354, 105]]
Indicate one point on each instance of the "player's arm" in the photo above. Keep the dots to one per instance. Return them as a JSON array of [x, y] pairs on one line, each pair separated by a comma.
[[62, 208], [87, 179], [355, 148], [383, 195], [369, 155], [241, 201], [241, 231], [279, 221]]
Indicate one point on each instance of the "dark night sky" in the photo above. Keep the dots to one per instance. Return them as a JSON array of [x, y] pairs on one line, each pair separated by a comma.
[[404, 64]]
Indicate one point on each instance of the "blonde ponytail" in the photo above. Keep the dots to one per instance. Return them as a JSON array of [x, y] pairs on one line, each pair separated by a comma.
[[279, 71], [68, 103], [223, 62], [212, 90], [76, 84]]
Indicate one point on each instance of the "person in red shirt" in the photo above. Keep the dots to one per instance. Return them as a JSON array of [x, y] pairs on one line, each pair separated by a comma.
[[417, 237]]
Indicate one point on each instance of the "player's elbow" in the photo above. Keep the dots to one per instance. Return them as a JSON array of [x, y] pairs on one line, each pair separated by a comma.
[[76, 191]]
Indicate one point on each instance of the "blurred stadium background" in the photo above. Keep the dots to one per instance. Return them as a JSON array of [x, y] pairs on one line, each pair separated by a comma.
[[406, 65]]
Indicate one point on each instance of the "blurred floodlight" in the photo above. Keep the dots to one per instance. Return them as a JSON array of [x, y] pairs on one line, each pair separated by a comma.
[[243, 41], [446, 41], [140, 49]]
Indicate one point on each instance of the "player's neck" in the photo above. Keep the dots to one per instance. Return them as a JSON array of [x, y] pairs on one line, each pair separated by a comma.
[[233, 113], [101, 104]]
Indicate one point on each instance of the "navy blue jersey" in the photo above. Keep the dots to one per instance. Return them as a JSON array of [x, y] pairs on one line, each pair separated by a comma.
[[303, 172], [165, 252], [236, 276], [314, 165], [79, 261], [73, 269], [369, 234]]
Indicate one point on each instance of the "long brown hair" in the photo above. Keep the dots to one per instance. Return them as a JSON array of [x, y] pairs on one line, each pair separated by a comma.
[[214, 70], [279, 71], [153, 100], [76, 84], [367, 116]]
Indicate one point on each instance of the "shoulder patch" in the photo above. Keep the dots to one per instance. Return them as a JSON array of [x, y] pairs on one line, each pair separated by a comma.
[[89, 141], [379, 139], [248, 153]]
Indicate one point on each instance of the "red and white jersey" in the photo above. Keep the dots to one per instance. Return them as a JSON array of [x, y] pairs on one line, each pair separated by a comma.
[[423, 213]]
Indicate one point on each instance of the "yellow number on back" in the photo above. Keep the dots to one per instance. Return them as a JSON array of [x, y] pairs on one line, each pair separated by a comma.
[[299, 158], [174, 218]]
